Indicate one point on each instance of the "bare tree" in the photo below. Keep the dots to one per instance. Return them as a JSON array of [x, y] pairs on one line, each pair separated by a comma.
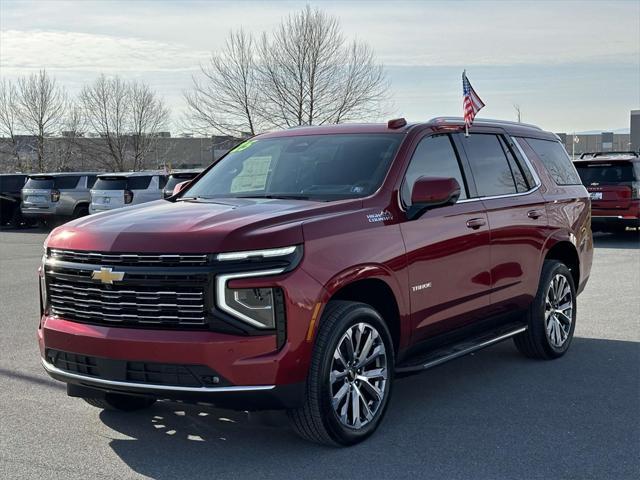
[[148, 116], [127, 116], [303, 73], [68, 148], [107, 109], [9, 125], [225, 100], [310, 75], [42, 105]]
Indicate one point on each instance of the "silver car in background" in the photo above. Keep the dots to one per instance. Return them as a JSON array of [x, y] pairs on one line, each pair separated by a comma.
[[56, 197], [117, 190]]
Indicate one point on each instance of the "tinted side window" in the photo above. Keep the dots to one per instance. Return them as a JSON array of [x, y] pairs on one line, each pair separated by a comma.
[[138, 183], [91, 180], [556, 161], [11, 183], [516, 168], [489, 165], [66, 183], [434, 157]]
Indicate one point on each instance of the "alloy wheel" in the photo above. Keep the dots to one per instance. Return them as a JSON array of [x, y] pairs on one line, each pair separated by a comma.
[[358, 376], [558, 311]]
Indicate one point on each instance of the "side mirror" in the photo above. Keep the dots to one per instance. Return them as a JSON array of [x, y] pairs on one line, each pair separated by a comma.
[[180, 186], [432, 192]]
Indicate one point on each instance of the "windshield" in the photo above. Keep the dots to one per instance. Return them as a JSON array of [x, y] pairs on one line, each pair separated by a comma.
[[314, 167], [45, 183], [606, 173], [122, 183], [62, 183], [110, 184]]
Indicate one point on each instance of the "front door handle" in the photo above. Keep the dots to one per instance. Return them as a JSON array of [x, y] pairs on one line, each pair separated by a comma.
[[476, 223], [535, 214]]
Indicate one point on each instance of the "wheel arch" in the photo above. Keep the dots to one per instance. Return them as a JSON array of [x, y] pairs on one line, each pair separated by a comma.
[[566, 252], [374, 286]]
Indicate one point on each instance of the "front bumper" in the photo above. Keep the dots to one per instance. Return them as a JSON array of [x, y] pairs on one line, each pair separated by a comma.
[[243, 397], [256, 371]]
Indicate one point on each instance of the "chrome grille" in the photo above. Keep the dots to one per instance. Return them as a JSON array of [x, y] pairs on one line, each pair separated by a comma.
[[152, 297], [131, 259]]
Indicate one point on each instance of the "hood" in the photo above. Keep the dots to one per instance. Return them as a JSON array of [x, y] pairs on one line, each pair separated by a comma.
[[219, 225]]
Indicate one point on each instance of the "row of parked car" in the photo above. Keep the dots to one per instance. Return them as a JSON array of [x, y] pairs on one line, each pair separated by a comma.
[[612, 179], [53, 198]]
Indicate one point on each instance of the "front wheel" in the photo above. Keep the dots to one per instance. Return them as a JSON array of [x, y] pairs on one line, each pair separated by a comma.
[[350, 378], [551, 317]]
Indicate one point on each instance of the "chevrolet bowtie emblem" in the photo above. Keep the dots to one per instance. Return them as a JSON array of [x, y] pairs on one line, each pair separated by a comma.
[[107, 275]]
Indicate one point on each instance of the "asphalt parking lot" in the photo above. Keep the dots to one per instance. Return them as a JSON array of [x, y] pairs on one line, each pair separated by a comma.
[[491, 415]]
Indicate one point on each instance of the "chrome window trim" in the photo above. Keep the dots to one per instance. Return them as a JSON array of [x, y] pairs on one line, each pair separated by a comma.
[[529, 165], [221, 285], [147, 386], [526, 160]]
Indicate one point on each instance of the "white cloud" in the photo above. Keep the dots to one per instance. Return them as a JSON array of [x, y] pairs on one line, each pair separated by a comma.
[[568, 54], [23, 51]]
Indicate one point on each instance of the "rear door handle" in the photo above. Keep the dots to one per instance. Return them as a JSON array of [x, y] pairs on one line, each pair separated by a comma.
[[535, 214], [476, 223]]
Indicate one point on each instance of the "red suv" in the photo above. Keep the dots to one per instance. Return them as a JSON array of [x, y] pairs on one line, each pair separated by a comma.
[[309, 267], [613, 181]]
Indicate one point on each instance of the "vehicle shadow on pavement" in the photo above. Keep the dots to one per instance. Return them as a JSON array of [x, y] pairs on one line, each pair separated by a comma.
[[494, 414], [628, 239]]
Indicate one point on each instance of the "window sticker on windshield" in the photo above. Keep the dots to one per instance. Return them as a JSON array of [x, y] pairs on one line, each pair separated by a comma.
[[244, 146]]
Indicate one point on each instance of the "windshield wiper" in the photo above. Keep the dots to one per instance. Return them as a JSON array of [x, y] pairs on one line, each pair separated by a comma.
[[292, 197]]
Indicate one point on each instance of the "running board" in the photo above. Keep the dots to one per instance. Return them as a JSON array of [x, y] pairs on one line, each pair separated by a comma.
[[450, 352]]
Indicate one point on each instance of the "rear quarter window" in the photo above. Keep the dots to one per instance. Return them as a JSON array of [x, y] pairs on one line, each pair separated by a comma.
[[66, 183], [556, 161], [139, 183]]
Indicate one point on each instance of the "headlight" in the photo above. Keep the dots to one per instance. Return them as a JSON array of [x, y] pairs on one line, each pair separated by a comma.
[[255, 306], [251, 254]]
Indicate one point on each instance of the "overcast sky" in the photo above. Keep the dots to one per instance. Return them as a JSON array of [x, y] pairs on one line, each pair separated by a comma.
[[571, 66]]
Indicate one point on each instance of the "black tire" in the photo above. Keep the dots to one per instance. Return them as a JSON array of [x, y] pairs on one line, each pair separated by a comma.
[[81, 210], [534, 342], [16, 220], [121, 402], [316, 419]]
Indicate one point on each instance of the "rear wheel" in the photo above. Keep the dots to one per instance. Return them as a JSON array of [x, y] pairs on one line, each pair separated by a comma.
[[350, 378], [122, 402], [551, 317], [81, 211]]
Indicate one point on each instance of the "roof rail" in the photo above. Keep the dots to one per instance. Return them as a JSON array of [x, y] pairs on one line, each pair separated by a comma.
[[607, 154], [482, 121]]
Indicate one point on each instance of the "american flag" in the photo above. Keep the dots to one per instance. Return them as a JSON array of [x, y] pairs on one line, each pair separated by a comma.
[[471, 102]]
